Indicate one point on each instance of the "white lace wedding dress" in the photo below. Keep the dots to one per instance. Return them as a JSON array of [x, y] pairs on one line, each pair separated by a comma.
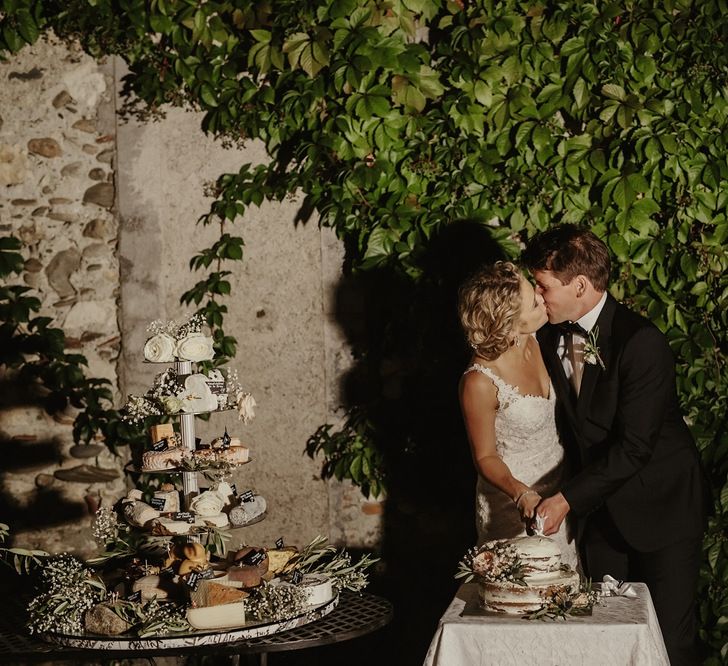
[[526, 441]]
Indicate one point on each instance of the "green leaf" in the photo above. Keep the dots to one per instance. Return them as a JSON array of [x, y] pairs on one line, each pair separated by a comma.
[[613, 91], [207, 94]]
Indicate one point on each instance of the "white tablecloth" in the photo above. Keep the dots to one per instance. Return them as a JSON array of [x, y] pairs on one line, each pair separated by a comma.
[[620, 631]]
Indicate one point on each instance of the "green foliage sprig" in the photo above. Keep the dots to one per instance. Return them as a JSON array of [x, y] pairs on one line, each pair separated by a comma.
[[320, 557], [33, 355], [20, 559]]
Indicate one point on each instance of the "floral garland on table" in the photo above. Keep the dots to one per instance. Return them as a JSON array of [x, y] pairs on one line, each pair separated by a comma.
[[563, 604]]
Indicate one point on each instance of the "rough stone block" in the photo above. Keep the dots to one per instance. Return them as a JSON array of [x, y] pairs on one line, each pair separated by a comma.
[[45, 147]]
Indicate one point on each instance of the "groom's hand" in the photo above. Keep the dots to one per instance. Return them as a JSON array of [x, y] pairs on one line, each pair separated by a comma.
[[553, 510]]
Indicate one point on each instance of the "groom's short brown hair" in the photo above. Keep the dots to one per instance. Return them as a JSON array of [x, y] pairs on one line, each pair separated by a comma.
[[567, 251]]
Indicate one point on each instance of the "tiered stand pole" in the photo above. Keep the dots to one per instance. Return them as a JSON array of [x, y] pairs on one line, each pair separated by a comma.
[[187, 432]]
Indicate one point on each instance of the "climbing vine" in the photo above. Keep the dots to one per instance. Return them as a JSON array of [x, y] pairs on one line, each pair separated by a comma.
[[398, 118]]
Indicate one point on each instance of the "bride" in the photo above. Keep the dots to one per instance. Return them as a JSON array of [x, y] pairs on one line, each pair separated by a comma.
[[508, 405]]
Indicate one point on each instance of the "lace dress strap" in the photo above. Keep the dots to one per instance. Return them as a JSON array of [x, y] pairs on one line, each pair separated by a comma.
[[506, 393]]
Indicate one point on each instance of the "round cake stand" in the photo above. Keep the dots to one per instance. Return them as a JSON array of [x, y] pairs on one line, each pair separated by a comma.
[[192, 639]]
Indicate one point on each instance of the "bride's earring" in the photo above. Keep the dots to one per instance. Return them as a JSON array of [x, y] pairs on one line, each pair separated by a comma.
[[517, 341]]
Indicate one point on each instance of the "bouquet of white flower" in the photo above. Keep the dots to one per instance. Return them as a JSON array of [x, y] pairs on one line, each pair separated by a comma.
[[171, 340]]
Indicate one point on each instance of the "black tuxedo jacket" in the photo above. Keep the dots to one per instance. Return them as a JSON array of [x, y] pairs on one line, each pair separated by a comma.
[[625, 434]]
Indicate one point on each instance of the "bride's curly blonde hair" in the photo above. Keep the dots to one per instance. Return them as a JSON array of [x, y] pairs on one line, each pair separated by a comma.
[[489, 304]]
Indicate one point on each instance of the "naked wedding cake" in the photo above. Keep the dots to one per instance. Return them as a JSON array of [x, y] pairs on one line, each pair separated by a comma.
[[519, 575]]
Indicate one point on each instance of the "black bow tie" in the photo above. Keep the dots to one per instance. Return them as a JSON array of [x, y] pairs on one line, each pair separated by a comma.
[[573, 327]]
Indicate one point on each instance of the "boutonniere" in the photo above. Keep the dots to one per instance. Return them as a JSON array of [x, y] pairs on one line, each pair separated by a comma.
[[591, 350]]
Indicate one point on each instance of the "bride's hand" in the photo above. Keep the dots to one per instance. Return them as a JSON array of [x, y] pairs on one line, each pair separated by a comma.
[[527, 503]]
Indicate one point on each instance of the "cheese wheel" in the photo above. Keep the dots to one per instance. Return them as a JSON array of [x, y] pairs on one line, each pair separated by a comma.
[[217, 617]]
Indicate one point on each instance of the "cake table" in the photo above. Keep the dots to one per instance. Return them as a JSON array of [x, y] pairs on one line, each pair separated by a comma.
[[621, 631]]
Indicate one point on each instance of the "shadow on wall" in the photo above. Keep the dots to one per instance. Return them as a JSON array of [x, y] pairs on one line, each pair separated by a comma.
[[47, 507], [410, 354]]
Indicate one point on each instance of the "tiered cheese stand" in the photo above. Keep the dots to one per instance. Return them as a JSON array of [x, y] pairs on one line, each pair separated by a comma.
[[195, 638]]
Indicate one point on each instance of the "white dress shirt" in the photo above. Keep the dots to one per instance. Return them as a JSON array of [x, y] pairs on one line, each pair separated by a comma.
[[587, 322]]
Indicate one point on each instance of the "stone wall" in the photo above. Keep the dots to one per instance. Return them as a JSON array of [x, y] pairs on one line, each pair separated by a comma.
[[61, 174], [57, 146]]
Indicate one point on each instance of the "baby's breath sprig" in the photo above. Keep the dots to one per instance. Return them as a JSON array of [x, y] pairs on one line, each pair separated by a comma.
[[276, 602], [106, 526], [159, 618], [138, 408], [68, 590]]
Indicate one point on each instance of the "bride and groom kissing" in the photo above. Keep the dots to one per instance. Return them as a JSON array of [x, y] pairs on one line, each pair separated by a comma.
[[573, 418]]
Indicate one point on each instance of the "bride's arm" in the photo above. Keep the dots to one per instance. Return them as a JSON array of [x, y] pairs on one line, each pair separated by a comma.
[[479, 403]]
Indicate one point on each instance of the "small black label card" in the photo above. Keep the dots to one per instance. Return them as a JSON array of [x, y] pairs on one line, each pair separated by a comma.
[[193, 580], [247, 496], [297, 577], [207, 573], [187, 516], [135, 596], [253, 557], [234, 489], [158, 503], [198, 442], [169, 571], [161, 445], [279, 543], [226, 440]]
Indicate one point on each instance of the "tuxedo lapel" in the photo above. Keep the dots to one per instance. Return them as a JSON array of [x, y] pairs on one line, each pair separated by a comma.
[[548, 337], [593, 372]]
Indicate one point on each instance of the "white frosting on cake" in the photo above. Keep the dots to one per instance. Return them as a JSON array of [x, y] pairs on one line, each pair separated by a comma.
[[543, 576]]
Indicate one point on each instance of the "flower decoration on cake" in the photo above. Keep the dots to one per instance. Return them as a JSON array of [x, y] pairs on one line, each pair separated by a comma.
[[491, 562], [184, 341]]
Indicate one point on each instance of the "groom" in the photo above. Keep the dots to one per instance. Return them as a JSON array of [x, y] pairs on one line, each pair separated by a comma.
[[638, 490]]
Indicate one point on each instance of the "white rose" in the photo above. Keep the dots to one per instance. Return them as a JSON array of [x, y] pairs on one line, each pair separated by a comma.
[[195, 347], [171, 404], [246, 407], [159, 348]]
